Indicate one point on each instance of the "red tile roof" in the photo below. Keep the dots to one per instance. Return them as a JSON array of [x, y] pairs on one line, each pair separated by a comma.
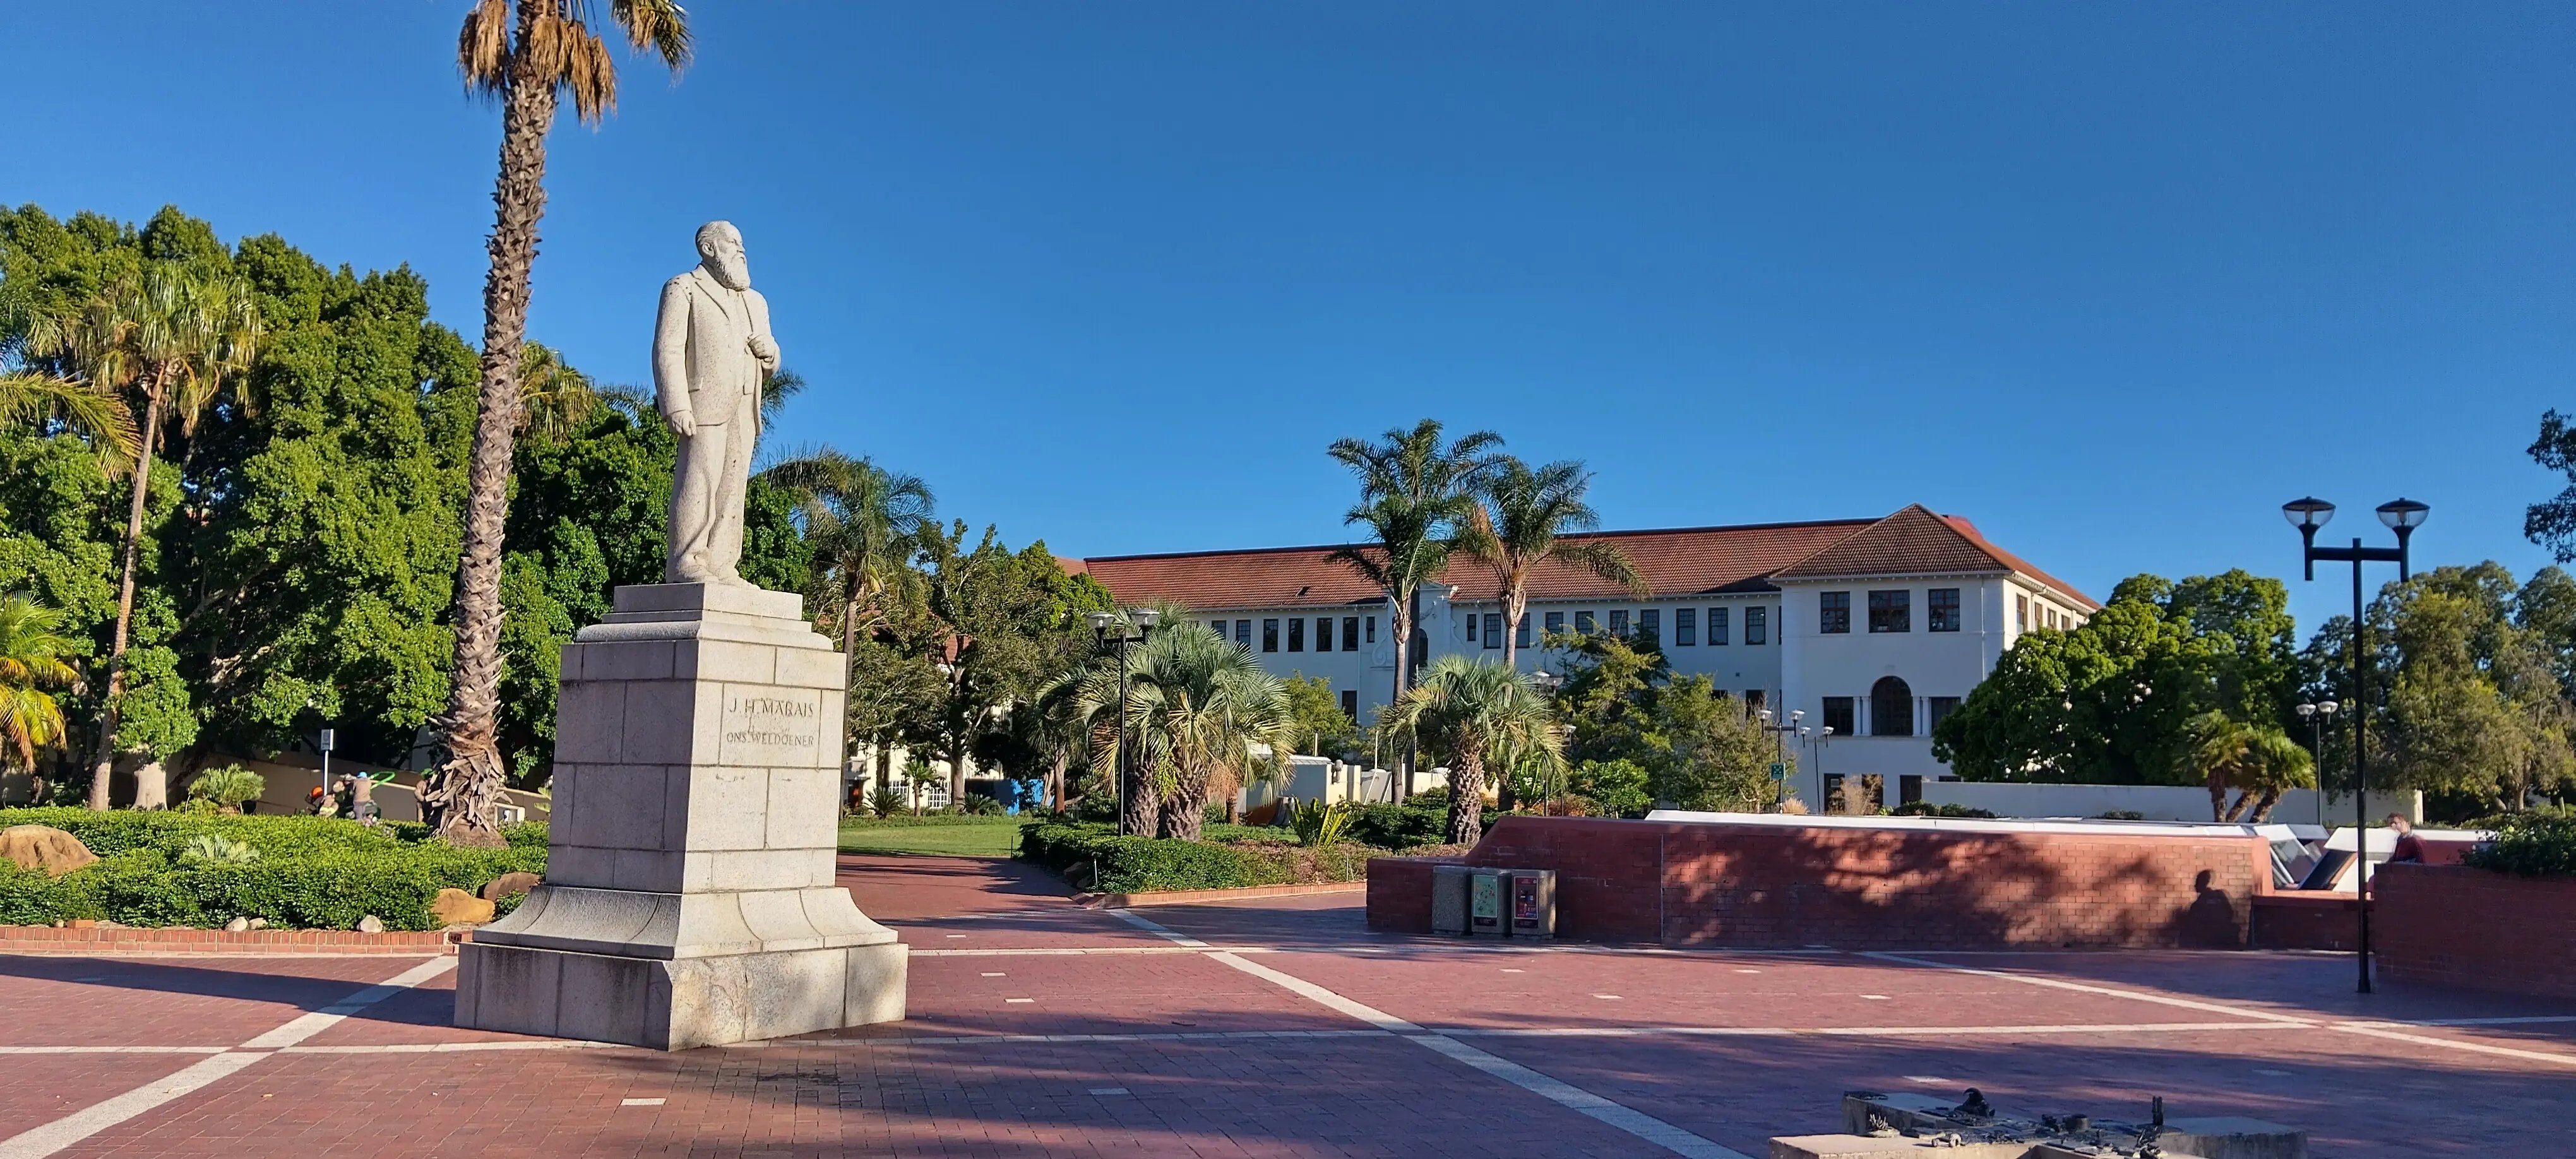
[[1678, 561]]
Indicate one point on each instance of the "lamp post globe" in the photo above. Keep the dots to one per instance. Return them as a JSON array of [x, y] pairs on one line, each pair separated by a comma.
[[2308, 514], [2403, 514]]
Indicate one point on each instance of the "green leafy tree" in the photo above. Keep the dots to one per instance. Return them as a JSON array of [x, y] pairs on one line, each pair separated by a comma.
[[527, 54], [1477, 714], [1704, 751], [1611, 788], [861, 523], [1318, 726], [988, 627]]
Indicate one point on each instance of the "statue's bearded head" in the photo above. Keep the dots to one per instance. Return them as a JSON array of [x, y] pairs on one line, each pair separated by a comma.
[[720, 248]]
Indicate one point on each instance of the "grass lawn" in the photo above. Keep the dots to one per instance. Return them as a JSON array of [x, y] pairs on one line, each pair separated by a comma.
[[994, 837]]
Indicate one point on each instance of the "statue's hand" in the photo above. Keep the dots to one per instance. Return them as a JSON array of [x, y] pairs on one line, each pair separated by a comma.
[[765, 348], [683, 423]]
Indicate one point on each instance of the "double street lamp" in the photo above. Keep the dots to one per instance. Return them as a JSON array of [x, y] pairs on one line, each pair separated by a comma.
[[1123, 631], [1782, 734], [2402, 516]]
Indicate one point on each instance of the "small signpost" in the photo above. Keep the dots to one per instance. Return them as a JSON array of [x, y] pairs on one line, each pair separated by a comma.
[[1779, 771]]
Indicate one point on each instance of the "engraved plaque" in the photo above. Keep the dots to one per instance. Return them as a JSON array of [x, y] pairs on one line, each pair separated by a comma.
[[774, 727]]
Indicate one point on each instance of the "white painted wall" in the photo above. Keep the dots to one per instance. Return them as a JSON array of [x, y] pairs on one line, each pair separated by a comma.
[[2155, 802]]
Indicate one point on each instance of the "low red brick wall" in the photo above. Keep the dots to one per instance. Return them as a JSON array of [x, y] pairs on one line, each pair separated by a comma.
[[1854, 888], [113, 940], [2475, 929], [1399, 893], [2291, 921]]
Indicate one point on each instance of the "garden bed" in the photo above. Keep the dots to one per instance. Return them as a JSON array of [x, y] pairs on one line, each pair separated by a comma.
[[1233, 857], [301, 873]]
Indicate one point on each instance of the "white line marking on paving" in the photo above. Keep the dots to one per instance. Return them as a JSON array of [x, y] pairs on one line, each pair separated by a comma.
[[91, 1120], [2519, 1020], [1607, 997], [1158, 929], [2479, 1047], [460, 1047], [1878, 997], [1514, 970], [1019, 1000], [2082, 988], [1574, 1098], [993, 973], [1070, 951], [332, 1015], [1929, 1080], [1746, 970], [639, 1102]]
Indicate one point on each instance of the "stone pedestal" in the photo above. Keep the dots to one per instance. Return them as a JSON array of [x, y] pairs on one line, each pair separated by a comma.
[[688, 898]]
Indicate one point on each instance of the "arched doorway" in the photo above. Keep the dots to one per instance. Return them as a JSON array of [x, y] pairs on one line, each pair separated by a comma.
[[1891, 708]]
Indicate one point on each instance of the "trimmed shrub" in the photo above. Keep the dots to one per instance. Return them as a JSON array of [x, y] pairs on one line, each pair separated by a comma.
[[227, 788], [1402, 826], [1144, 864], [308, 872], [1928, 809], [2533, 844]]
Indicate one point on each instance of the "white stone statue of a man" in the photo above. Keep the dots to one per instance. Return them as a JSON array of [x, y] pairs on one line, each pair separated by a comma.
[[711, 350]]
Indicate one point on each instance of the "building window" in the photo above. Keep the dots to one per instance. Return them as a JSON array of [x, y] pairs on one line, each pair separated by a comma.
[[1941, 609], [1297, 633], [2021, 613], [1243, 633], [1269, 635], [1350, 633], [1757, 627], [1323, 633], [1619, 622], [1493, 629], [1521, 633], [1471, 627], [1717, 626], [1754, 697], [1372, 629], [1891, 708], [1833, 613], [1351, 704], [1650, 624], [1556, 623], [1838, 715], [1891, 611], [1685, 627], [1583, 623], [1218, 627], [1942, 707]]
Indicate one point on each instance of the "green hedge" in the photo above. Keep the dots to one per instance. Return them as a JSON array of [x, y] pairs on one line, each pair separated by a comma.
[[929, 820], [312, 872], [2540, 843], [1144, 864]]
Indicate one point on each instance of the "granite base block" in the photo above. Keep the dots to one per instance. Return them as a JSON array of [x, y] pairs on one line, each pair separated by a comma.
[[678, 1003]]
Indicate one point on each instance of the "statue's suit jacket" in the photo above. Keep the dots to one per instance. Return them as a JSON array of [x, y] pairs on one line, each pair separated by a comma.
[[702, 361]]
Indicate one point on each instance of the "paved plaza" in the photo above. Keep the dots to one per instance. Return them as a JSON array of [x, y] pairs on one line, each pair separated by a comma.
[[1265, 1029]]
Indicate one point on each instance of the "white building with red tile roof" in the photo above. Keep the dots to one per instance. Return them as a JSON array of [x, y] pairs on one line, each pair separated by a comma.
[[1874, 627]]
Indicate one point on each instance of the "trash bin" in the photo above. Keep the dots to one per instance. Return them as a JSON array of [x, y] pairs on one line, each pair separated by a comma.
[[1533, 903], [1485, 902], [1449, 899]]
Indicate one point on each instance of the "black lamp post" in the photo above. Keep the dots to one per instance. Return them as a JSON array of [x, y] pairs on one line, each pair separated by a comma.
[[2402, 516], [1547, 683], [1112, 628], [1781, 735]]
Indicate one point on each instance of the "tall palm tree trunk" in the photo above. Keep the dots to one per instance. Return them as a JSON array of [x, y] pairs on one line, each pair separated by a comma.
[[472, 779], [102, 770], [1186, 818], [1467, 798], [1515, 605], [1400, 625]]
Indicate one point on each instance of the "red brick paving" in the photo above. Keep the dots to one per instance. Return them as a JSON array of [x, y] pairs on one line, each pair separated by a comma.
[[1341, 1089]]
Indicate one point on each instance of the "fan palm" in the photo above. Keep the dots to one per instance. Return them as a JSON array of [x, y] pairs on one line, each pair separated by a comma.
[[86, 409], [862, 522], [528, 54], [178, 338], [1415, 492], [32, 648], [1482, 715], [1204, 713], [2257, 761]]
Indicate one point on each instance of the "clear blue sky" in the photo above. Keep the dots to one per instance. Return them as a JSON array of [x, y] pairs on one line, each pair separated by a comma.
[[2112, 281]]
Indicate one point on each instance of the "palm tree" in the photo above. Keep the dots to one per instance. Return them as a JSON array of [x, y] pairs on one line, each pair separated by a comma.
[[1414, 493], [32, 648], [1520, 525], [554, 399], [1480, 714], [1204, 713], [95, 413], [527, 54], [179, 339], [862, 523], [2259, 762]]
